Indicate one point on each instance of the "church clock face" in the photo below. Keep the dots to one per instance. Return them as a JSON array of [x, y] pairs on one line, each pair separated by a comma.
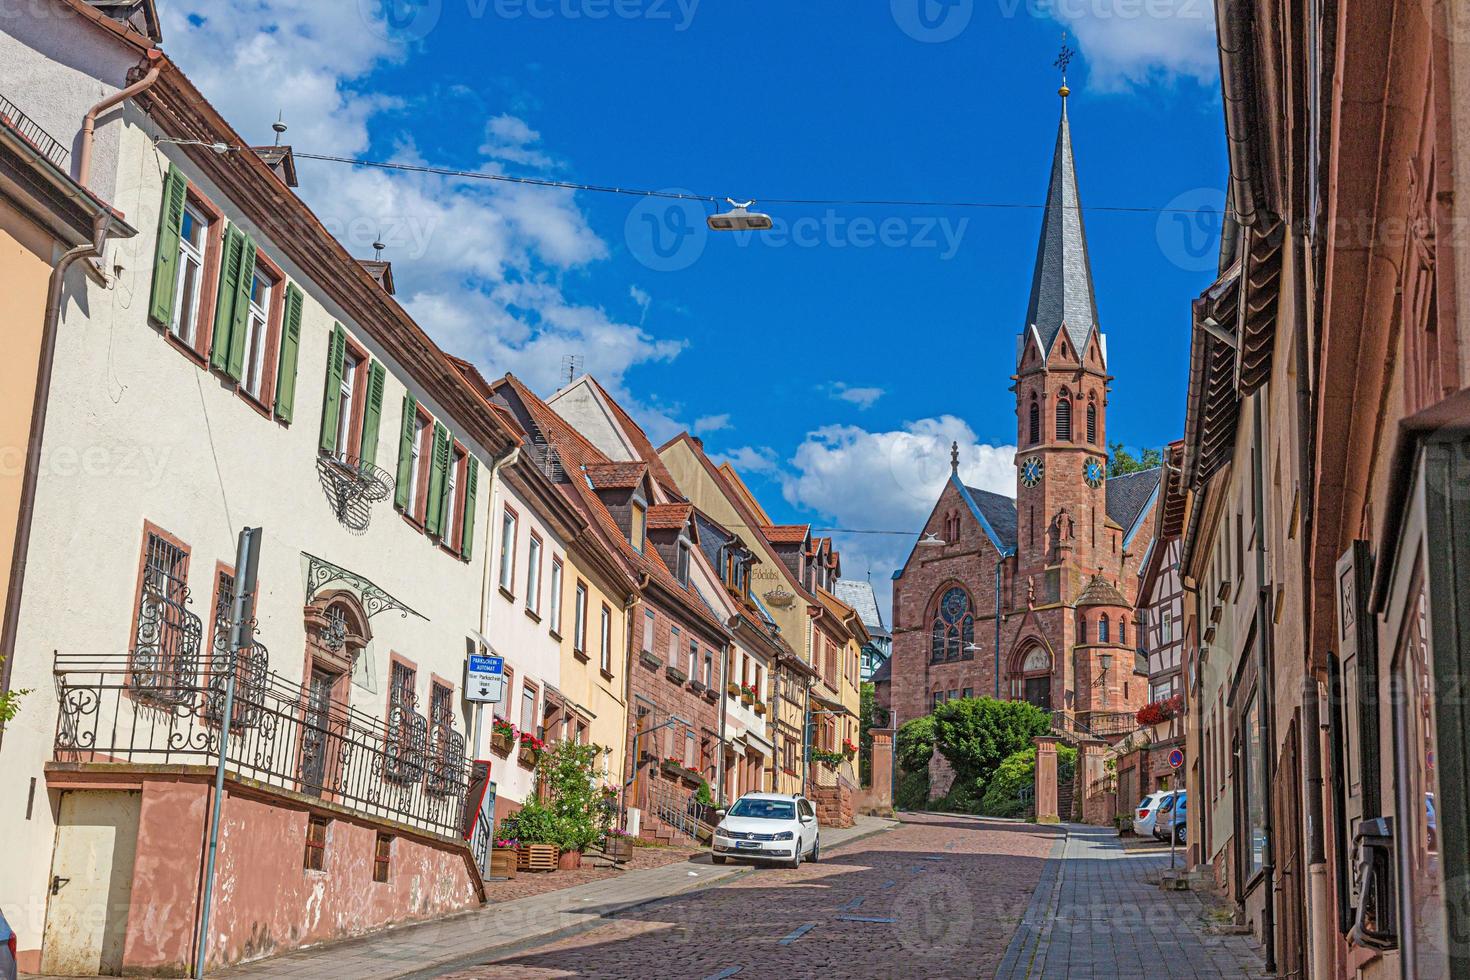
[[1031, 470], [1092, 472]]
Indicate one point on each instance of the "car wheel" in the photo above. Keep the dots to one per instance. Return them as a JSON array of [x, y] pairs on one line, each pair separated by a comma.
[[796, 861], [816, 849], [1181, 836], [717, 858]]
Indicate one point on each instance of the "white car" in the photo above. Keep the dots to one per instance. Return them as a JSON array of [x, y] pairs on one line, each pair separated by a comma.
[[768, 827], [7, 950], [1147, 812]]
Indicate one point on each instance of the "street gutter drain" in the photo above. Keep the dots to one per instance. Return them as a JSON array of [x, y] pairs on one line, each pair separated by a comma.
[[863, 918], [932, 857], [798, 932], [888, 884], [728, 971]]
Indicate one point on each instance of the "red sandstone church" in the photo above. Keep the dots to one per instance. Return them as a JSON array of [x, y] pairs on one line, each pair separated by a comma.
[[1039, 589]]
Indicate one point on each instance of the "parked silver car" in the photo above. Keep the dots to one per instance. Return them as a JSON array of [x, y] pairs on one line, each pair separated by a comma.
[[1173, 818], [1147, 811]]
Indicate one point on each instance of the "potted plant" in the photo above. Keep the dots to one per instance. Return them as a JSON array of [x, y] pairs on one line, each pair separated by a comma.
[[829, 759], [674, 767], [747, 694], [502, 737], [848, 749], [759, 707], [565, 777], [732, 689], [534, 829], [1160, 713], [503, 857], [618, 846], [531, 747]]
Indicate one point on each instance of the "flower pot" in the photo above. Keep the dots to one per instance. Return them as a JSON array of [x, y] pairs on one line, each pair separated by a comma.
[[746, 699], [672, 769], [527, 757], [619, 849], [501, 744], [503, 861], [733, 690], [759, 707], [536, 857], [569, 861]]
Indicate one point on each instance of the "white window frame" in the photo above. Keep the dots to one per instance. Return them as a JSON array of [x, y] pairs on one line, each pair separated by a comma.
[[579, 623], [606, 650], [650, 621], [186, 329], [509, 524], [533, 575], [347, 400], [555, 600], [257, 334], [421, 425]]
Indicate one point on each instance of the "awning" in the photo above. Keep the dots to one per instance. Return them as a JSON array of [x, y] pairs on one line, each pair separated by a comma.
[[758, 744], [833, 707]]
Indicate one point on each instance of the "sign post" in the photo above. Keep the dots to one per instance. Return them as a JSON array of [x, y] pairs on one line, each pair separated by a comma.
[[1176, 762]]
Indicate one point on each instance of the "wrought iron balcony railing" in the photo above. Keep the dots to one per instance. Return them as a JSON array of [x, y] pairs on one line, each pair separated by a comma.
[[281, 735], [49, 146]]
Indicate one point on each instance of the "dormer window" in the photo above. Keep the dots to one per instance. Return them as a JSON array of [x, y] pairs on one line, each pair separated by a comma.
[[638, 526], [682, 570]]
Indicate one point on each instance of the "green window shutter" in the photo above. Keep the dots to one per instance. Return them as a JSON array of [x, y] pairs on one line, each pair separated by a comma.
[[372, 415], [224, 308], [446, 503], [405, 452], [336, 353], [240, 309], [438, 474], [471, 484], [166, 258], [290, 346]]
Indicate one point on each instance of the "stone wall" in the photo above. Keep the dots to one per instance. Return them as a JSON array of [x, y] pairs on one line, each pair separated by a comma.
[[835, 804]]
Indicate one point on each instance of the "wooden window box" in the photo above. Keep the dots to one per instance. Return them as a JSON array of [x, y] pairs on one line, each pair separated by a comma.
[[536, 857], [675, 674], [649, 660]]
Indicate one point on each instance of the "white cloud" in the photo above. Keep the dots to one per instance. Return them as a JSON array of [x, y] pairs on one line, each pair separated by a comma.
[[888, 481], [749, 459], [862, 397], [479, 263], [711, 423], [1128, 43]]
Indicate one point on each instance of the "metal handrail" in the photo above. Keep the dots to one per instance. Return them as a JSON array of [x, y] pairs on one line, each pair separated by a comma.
[[278, 738], [49, 146]]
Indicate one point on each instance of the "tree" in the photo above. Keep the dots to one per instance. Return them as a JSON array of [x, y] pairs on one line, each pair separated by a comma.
[[1121, 461], [915, 744], [566, 775], [975, 734]]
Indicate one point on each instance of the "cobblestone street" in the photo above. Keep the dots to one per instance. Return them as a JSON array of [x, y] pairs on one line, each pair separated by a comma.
[[940, 895]]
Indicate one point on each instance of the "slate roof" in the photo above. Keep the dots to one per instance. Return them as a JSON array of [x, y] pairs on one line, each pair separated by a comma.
[[999, 511], [883, 672], [1061, 284], [858, 593], [1128, 495]]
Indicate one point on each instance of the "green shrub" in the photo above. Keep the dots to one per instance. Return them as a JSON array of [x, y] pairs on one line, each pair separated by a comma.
[[533, 823], [1016, 774], [915, 744], [963, 797], [913, 790], [976, 734]]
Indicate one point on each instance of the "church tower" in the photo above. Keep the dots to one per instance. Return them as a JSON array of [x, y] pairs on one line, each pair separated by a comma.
[[1061, 387]]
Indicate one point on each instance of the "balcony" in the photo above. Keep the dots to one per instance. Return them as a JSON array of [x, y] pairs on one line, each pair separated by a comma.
[[129, 710], [43, 141]]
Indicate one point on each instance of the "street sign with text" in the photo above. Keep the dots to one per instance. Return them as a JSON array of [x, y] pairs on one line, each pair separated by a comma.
[[484, 678]]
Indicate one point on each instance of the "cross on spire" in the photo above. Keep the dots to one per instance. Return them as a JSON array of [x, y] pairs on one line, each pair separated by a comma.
[[954, 457], [1064, 58]]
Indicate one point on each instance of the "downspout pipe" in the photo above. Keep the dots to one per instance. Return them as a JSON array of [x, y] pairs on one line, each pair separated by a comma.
[[89, 254], [1265, 686], [998, 562], [497, 464], [89, 121]]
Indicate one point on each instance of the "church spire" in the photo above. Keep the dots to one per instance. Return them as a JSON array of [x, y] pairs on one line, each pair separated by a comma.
[[1061, 285]]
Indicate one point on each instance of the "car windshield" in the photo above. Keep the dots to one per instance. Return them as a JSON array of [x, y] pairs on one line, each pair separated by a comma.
[[764, 809]]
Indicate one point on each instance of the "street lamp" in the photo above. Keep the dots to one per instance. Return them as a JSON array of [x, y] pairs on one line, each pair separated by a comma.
[[738, 218], [931, 540]]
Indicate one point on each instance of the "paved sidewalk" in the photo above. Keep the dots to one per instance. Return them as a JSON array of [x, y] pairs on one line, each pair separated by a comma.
[[433, 947], [1098, 913]]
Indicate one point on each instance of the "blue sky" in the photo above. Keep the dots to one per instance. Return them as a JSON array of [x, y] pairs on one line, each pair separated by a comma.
[[835, 359]]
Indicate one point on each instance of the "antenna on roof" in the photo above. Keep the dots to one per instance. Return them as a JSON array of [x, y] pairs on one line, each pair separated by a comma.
[[279, 127], [571, 366], [378, 247]]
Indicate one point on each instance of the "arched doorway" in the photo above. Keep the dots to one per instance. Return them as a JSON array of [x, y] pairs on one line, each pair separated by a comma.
[[1035, 677], [337, 630]]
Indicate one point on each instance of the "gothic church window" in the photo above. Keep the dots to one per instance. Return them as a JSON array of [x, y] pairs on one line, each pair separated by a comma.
[[1102, 629], [1092, 424], [1034, 427], [1064, 420], [953, 626]]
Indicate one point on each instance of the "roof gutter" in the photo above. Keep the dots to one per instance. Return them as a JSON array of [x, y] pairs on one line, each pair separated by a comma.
[[155, 62], [1236, 41]]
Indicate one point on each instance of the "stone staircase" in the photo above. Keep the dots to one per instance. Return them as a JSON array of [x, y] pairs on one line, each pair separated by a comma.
[[1065, 789]]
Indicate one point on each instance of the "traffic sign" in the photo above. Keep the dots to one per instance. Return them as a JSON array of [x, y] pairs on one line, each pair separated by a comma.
[[1176, 758], [484, 678]]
